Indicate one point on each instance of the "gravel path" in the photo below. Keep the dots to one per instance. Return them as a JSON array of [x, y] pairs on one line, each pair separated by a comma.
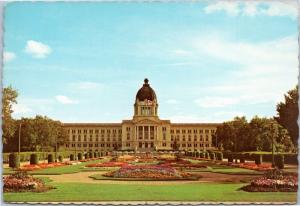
[[83, 177]]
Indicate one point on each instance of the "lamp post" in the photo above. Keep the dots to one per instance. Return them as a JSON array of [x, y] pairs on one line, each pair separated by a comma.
[[20, 127], [272, 136]]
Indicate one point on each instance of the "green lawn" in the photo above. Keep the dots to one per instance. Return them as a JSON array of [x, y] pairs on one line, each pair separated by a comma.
[[240, 171], [178, 192], [57, 170]]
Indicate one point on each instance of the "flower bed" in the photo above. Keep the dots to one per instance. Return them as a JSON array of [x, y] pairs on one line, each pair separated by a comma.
[[149, 172], [41, 166], [125, 158], [182, 164], [274, 181], [253, 166], [22, 182], [108, 164]]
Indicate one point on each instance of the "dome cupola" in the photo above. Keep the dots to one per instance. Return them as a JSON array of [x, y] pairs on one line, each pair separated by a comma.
[[146, 92], [145, 102]]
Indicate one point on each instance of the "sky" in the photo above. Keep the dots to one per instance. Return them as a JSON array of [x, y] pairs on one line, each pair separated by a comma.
[[208, 61]]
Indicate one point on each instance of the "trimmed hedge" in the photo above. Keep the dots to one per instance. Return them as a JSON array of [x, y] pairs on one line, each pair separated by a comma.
[[258, 159], [242, 158], [50, 158], [72, 158], [219, 156], [34, 159], [212, 156], [201, 155], [60, 158], [14, 160], [25, 156], [279, 161], [230, 158], [79, 155]]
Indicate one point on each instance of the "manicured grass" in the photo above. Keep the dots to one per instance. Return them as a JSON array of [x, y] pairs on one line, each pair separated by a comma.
[[68, 169], [178, 192], [236, 171]]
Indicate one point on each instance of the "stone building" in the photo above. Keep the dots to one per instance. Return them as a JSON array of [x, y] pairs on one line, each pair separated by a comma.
[[145, 132]]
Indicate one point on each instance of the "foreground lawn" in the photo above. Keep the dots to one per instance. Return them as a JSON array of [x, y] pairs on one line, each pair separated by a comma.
[[171, 192]]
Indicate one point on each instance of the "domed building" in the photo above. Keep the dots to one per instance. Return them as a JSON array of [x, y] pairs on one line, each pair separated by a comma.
[[145, 132]]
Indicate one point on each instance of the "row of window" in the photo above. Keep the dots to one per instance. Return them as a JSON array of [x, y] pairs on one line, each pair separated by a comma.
[[116, 146], [108, 135], [119, 131], [189, 139], [96, 139], [190, 145], [141, 145], [96, 131], [190, 131]]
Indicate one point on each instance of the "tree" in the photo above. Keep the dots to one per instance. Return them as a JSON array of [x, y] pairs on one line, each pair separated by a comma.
[[8, 124], [231, 134], [39, 134], [239, 135], [287, 112]]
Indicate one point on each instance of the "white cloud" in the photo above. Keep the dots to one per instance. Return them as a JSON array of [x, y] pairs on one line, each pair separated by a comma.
[[264, 70], [172, 101], [231, 8], [8, 56], [254, 8], [20, 109], [65, 100], [37, 49], [211, 102]]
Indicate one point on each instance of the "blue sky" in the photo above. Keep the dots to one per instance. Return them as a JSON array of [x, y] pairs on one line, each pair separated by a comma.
[[207, 61]]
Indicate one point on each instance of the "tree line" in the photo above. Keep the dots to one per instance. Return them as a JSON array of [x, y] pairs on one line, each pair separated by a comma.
[[279, 133], [39, 133]]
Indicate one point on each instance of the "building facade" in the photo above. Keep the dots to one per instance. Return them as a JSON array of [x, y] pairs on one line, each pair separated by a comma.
[[145, 132]]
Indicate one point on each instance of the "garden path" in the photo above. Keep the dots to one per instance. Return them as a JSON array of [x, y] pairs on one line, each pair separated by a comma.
[[83, 177]]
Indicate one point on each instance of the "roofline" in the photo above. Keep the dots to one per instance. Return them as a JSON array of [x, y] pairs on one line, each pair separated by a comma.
[[91, 124], [196, 124]]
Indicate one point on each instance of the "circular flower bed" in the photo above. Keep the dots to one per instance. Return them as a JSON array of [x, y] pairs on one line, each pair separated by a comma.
[[108, 164], [22, 182], [274, 181], [148, 172]]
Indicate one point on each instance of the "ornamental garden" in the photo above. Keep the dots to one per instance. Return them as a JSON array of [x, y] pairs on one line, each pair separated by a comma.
[[160, 176]]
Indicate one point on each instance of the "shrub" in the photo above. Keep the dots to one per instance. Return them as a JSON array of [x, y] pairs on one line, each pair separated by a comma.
[[230, 158], [60, 158], [242, 158], [14, 160], [50, 158], [212, 156], [79, 155], [279, 161], [219, 156], [72, 157], [207, 155], [291, 159], [258, 159], [34, 159], [201, 155]]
